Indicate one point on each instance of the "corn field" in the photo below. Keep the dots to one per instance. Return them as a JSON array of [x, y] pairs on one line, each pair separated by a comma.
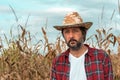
[[22, 61]]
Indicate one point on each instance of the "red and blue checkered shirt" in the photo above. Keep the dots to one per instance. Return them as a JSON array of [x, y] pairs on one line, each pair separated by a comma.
[[97, 66]]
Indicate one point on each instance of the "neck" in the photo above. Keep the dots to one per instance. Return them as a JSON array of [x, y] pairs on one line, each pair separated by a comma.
[[79, 52]]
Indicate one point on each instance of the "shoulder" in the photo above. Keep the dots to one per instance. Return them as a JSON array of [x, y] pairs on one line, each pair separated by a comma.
[[61, 57], [95, 51], [100, 53]]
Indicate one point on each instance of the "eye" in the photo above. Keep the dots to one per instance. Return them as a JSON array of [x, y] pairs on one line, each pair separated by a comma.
[[66, 31], [76, 30]]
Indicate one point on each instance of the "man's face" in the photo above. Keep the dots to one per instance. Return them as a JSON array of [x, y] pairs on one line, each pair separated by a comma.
[[73, 38]]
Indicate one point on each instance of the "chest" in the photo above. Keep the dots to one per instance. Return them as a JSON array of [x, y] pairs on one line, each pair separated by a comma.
[[93, 68]]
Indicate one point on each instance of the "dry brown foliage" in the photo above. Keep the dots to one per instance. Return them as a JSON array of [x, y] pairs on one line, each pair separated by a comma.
[[20, 61]]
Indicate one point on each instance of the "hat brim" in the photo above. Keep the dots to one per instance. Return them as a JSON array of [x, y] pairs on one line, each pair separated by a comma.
[[87, 25]]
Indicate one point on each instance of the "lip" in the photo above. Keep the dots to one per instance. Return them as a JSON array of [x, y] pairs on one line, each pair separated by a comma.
[[72, 42]]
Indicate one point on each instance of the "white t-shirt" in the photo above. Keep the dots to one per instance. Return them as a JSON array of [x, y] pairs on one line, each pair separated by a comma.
[[77, 68]]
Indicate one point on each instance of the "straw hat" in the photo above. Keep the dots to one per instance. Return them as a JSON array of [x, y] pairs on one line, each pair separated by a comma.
[[73, 20]]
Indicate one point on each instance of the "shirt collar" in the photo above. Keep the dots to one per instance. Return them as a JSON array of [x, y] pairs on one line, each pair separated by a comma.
[[90, 50], [67, 52]]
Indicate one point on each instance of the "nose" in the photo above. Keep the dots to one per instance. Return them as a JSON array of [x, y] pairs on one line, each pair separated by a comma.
[[71, 35]]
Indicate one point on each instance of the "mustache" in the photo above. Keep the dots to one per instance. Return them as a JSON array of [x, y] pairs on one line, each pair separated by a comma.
[[72, 40]]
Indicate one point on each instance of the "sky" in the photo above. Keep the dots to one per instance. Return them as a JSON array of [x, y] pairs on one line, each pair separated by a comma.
[[48, 13]]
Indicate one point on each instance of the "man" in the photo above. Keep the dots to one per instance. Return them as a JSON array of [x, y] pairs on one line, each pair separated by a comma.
[[79, 62]]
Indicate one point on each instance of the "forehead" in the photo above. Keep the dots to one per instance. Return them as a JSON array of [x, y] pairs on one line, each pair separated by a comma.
[[72, 28]]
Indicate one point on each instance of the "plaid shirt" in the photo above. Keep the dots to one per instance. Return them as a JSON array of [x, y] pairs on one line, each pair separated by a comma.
[[97, 66]]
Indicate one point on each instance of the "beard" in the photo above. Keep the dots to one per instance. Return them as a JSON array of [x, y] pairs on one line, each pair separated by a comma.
[[74, 44]]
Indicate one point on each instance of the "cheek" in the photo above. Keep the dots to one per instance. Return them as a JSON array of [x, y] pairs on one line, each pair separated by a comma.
[[81, 39], [66, 39]]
